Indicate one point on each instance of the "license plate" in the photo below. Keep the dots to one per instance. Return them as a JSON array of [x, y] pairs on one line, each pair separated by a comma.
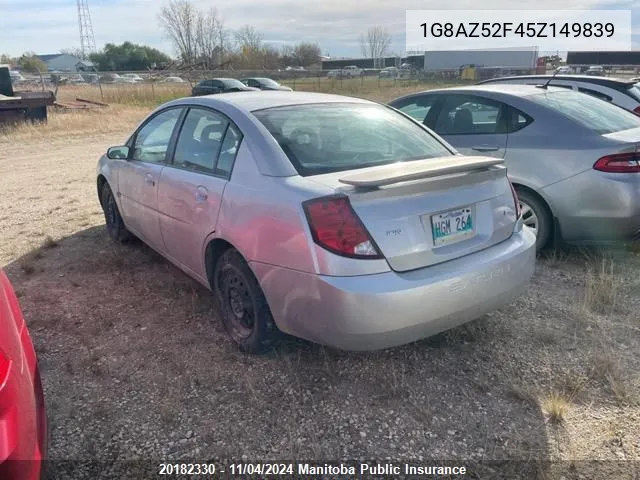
[[452, 226]]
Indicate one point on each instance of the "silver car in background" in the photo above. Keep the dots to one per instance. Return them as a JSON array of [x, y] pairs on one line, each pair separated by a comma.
[[330, 218], [572, 158]]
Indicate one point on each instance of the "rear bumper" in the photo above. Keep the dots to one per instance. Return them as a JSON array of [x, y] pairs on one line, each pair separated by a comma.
[[378, 311]]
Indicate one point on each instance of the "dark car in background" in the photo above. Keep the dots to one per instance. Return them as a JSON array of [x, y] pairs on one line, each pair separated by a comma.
[[220, 85], [23, 424], [264, 84]]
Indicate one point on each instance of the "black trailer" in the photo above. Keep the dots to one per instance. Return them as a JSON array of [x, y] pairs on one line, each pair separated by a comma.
[[20, 106]]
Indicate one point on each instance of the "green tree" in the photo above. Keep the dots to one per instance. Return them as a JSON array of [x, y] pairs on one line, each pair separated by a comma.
[[128, 57], [29, 62]]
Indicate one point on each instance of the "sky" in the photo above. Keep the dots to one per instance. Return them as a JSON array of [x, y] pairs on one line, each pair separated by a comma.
[[47, 26]]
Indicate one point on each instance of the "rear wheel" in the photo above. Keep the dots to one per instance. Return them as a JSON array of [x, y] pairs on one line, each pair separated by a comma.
[[242, 305], [113, 220], [536, 216]]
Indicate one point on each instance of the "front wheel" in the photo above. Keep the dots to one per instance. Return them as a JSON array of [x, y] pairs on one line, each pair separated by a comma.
[[242, 305], [113, 220]]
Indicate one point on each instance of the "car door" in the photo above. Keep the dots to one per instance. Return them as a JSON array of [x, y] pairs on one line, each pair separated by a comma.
[[474, 125], [138, 176], [191, 187]]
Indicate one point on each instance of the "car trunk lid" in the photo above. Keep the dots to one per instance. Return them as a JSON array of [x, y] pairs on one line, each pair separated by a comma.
[[425, 212]]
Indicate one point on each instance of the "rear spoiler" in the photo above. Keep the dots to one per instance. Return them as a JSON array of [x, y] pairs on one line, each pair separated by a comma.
[[418, 169]]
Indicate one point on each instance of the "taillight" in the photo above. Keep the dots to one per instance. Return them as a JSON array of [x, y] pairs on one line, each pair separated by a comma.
[[619, 163], [5, 367], [336, 227], [516, 200], [637, 110]]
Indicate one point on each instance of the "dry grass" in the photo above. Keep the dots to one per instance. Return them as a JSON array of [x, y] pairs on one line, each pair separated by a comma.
[[607, 369], [145, 95], [151, 94], [555, 407], [108, 120], [601, 289], [49, 242]]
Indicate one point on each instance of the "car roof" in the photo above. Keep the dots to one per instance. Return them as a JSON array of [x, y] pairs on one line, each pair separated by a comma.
[[252, 101], [604, 81], [517, 90], [514, 90]]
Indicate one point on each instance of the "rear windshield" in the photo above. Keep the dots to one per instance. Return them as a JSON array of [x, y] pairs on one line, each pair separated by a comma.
[[597, 115], [324, 138]]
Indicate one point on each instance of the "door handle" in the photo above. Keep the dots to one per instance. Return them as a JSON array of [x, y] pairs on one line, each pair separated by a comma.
[[201, 195], [485, 148], [149, 180]]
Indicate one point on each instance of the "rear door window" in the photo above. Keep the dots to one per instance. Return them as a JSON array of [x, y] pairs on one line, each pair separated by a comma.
[[471, 115], [200, 140]]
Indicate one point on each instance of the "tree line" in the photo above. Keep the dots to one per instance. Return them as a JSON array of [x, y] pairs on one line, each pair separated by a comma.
[[201, 39]]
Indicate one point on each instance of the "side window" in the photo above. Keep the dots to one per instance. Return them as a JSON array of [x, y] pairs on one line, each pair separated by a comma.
[[418, 108], [229, 150], [518, 120], [468, 115], [594, 93], [200, 140], [152, 140]]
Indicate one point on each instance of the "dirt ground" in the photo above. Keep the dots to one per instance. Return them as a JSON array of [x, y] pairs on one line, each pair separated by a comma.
[[136, 366]]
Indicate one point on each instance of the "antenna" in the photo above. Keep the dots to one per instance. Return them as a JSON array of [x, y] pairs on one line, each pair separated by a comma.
[[546, 85], [87, 40]]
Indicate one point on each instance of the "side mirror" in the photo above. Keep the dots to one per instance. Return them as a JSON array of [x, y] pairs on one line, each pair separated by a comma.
[[118, 153]]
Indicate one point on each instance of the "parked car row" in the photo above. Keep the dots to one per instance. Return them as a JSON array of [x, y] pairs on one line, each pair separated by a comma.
[[337, 219], [228, 85]]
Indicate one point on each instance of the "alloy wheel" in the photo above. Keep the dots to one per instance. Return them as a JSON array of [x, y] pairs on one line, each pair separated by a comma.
[[529, 217]]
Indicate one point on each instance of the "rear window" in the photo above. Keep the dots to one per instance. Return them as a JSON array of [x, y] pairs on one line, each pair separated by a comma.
[[596, 115], [324, 138]]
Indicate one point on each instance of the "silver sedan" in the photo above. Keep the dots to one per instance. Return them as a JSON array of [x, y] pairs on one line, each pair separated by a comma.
[[572, 158], [330, 218]]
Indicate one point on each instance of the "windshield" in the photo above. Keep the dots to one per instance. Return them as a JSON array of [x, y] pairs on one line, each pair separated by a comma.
[[597, 115], [324, 138], [268, 82]]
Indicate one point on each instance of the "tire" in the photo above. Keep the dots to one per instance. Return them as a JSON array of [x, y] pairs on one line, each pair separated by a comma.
[[536, 215], [241, 304], [113, 220]]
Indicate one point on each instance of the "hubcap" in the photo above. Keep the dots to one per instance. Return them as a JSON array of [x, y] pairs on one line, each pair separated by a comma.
[[236, 302], [529, 217]]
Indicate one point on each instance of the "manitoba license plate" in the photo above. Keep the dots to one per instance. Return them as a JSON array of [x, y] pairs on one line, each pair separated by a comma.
[[452, 226]]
